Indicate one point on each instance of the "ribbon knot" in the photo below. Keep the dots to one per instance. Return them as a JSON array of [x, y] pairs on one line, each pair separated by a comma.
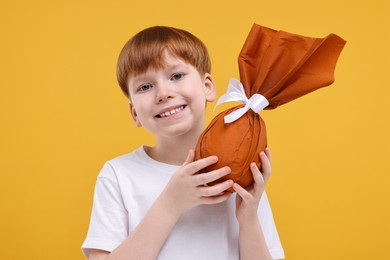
[[235, 92]]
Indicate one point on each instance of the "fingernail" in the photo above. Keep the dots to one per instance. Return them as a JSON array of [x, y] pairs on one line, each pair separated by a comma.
[[214, 158]]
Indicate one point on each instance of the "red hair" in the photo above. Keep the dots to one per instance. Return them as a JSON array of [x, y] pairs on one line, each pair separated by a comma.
[[146, 49]]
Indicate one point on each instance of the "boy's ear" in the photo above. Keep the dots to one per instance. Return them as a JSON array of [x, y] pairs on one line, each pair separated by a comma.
[[134, 115], [209, 88]]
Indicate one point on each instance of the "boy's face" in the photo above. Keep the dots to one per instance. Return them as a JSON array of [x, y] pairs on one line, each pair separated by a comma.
[[171, 101]]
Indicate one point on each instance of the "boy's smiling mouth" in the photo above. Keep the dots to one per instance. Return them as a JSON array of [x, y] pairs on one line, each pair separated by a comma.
[[171, 111]]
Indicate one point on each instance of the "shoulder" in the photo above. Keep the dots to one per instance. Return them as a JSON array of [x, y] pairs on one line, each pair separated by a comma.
[[134, 165], [117, 174], [136, 169], [138, 156], [121, 164]]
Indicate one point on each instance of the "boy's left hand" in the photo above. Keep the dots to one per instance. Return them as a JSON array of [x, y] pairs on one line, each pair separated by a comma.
[[247, 201]]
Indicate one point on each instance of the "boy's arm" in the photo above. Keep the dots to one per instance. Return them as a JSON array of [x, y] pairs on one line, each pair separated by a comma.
[[252, 242], [184, 191], [251, 239]]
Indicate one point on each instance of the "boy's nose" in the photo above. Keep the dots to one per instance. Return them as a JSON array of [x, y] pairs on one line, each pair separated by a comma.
[[163, 94]]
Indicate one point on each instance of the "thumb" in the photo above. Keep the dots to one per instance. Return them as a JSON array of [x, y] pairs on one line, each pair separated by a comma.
[[190, 157]]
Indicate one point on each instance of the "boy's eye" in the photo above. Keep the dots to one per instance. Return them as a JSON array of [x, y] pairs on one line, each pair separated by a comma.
[[145, 87], [177, 76]]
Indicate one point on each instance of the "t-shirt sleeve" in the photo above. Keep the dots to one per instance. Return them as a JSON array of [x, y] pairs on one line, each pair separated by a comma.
[[109, 220], [269, 228]]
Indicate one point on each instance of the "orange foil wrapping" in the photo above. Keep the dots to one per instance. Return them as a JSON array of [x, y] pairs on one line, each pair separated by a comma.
[[280, 66]]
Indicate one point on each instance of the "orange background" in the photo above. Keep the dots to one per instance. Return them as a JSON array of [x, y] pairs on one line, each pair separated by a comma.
[[62, 115]]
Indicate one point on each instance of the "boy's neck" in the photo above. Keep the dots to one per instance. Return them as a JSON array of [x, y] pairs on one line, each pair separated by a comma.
[[172, 151]]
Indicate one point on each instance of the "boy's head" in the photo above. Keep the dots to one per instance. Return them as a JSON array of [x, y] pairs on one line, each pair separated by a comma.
[[146, 50]]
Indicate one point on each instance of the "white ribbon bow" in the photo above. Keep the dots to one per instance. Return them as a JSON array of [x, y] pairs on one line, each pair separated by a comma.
[[235, 92]]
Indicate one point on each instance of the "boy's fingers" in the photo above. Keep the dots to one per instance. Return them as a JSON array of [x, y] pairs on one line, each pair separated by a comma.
[[268, 153], [257, 175], [198, 165], [204, 178], [190, 157], [258, 178], [216, 199], [265, 166], [217, 189], [243, 193]]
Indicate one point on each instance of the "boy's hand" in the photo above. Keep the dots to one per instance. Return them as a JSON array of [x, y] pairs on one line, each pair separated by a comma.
[[247, 201], [186, 189]]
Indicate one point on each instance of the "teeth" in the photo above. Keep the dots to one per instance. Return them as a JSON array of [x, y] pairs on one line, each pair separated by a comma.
[[173, 111]]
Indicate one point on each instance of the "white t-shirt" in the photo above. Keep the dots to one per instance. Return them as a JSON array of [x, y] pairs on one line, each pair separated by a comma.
[[126, 188]]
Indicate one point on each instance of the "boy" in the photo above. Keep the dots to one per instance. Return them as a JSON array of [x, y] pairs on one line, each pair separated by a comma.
[[152, 203]]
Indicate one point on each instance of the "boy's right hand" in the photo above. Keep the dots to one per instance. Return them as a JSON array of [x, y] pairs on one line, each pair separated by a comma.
[[187, 189]]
